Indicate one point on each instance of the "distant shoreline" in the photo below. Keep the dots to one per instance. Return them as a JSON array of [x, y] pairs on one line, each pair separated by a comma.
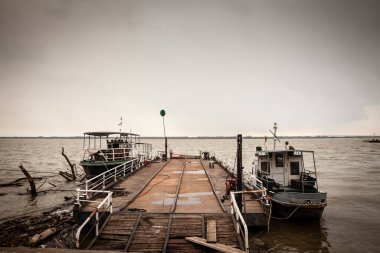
[[199, 137]]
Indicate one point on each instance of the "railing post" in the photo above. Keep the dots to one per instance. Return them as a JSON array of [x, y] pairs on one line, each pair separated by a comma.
[[125, 165], [239, 186], [97, 223], [86, 190], [110, 203], [104, 180], [115, 169], [78, 193]]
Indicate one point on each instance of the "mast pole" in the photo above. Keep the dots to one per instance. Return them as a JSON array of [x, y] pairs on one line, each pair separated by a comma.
[[275, 135], [239, 198], [162, 113]]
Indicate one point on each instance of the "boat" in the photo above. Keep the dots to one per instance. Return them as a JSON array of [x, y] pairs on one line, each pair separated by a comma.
[[290, 177], [373, 140], [106, 150]]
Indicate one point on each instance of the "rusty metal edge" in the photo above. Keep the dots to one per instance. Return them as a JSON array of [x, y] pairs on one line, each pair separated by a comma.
[[178, 187], [167, 234], [212, 186], [132, 233]]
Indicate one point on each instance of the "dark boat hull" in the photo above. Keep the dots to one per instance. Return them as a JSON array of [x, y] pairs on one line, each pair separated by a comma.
[[94, 168], [290, 211]]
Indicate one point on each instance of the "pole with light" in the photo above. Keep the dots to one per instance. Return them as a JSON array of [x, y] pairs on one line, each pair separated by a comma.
[[162, 113]]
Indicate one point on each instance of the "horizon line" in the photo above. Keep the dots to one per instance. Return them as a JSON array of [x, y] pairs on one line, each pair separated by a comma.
[[199, 137]]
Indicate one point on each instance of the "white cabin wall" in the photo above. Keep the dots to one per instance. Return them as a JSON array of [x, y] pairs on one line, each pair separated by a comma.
[[278, 172]]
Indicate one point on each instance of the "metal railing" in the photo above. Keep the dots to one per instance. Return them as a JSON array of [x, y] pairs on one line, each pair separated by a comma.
[[249, 180], [97, 185], [104, 206], [111, 154], [121, 153], [240, 225], [100, 181]]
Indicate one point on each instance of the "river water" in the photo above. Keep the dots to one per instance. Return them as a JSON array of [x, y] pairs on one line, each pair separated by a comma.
[[348, 170]]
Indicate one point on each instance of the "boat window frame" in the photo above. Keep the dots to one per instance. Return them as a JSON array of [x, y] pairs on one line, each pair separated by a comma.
[[267, 171], [277, 161], [291, 168]]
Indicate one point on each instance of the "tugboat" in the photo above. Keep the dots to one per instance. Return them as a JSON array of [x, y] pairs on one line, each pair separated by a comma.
[[291, 184], [106, 150]]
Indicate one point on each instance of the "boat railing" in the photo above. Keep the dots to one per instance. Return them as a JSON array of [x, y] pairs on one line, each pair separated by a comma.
[[239, 223], [121, 153], [101, 181], [98, 217], [110, 154], [249, 180]]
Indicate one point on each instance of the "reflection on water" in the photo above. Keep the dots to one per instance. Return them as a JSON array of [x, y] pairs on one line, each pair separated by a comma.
[[292, 236], [348, 170]]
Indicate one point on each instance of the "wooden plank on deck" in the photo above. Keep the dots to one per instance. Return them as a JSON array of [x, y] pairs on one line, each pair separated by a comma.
[[217, 246]]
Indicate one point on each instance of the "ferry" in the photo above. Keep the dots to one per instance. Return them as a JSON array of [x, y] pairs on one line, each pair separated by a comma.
[[106, 150], [290, 177]]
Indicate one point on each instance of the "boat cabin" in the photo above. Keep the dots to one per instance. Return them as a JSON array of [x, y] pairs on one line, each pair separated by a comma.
[[285, 170], [113, 146]]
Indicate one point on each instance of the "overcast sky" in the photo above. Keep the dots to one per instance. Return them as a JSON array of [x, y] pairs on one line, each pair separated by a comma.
[[216, 67]]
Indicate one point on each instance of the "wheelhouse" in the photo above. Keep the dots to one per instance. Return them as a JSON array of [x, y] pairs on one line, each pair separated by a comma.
[[287, 170], [113, 146]]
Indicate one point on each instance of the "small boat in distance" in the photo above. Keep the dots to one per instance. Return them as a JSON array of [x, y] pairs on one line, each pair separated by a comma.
[[291, 181], [106, 150], [373, 140]]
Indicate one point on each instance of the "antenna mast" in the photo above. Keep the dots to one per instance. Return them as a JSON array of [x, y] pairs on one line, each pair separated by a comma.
[[275, 138], [121, 123]]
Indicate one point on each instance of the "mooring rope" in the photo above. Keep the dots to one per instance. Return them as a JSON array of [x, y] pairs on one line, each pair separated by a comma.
[[289, 216]]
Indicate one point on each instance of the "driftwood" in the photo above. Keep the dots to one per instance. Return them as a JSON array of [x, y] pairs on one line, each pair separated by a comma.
[[17, 182], [72, 166], [33, 190], [66, 175], [41, 236], [55, 224]]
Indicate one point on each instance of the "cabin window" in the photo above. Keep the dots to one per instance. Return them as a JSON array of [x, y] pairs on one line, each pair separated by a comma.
[[294, 168], [279, 160], [265, 167]]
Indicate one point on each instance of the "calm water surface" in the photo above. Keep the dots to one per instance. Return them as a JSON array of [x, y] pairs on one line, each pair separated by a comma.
[[348, 170]]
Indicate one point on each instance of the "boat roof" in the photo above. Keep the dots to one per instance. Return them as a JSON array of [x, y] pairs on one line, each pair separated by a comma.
[[107, 133], [284, 150]]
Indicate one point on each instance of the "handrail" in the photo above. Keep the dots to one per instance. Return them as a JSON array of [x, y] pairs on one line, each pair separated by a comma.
[[99, 182], [241, 226], [249, 180], [106, 204], [120, 153]]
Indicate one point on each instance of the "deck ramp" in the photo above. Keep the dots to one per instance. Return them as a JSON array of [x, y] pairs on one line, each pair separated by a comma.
[[173, 203], [158, 232]]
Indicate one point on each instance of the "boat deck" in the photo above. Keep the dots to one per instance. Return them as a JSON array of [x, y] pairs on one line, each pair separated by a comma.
[[158, 206]]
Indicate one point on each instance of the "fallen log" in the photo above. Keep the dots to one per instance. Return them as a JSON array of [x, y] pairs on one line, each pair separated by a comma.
[[33, 190], [42, 236], [72, 166]]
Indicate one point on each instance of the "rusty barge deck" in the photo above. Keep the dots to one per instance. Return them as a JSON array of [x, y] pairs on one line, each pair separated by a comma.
[[158, 206]]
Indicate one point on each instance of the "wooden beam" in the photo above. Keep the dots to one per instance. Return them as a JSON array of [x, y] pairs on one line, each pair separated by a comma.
[[211, 230], [217, 246]]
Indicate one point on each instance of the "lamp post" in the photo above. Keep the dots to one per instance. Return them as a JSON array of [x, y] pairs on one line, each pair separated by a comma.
[[162, 113]]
